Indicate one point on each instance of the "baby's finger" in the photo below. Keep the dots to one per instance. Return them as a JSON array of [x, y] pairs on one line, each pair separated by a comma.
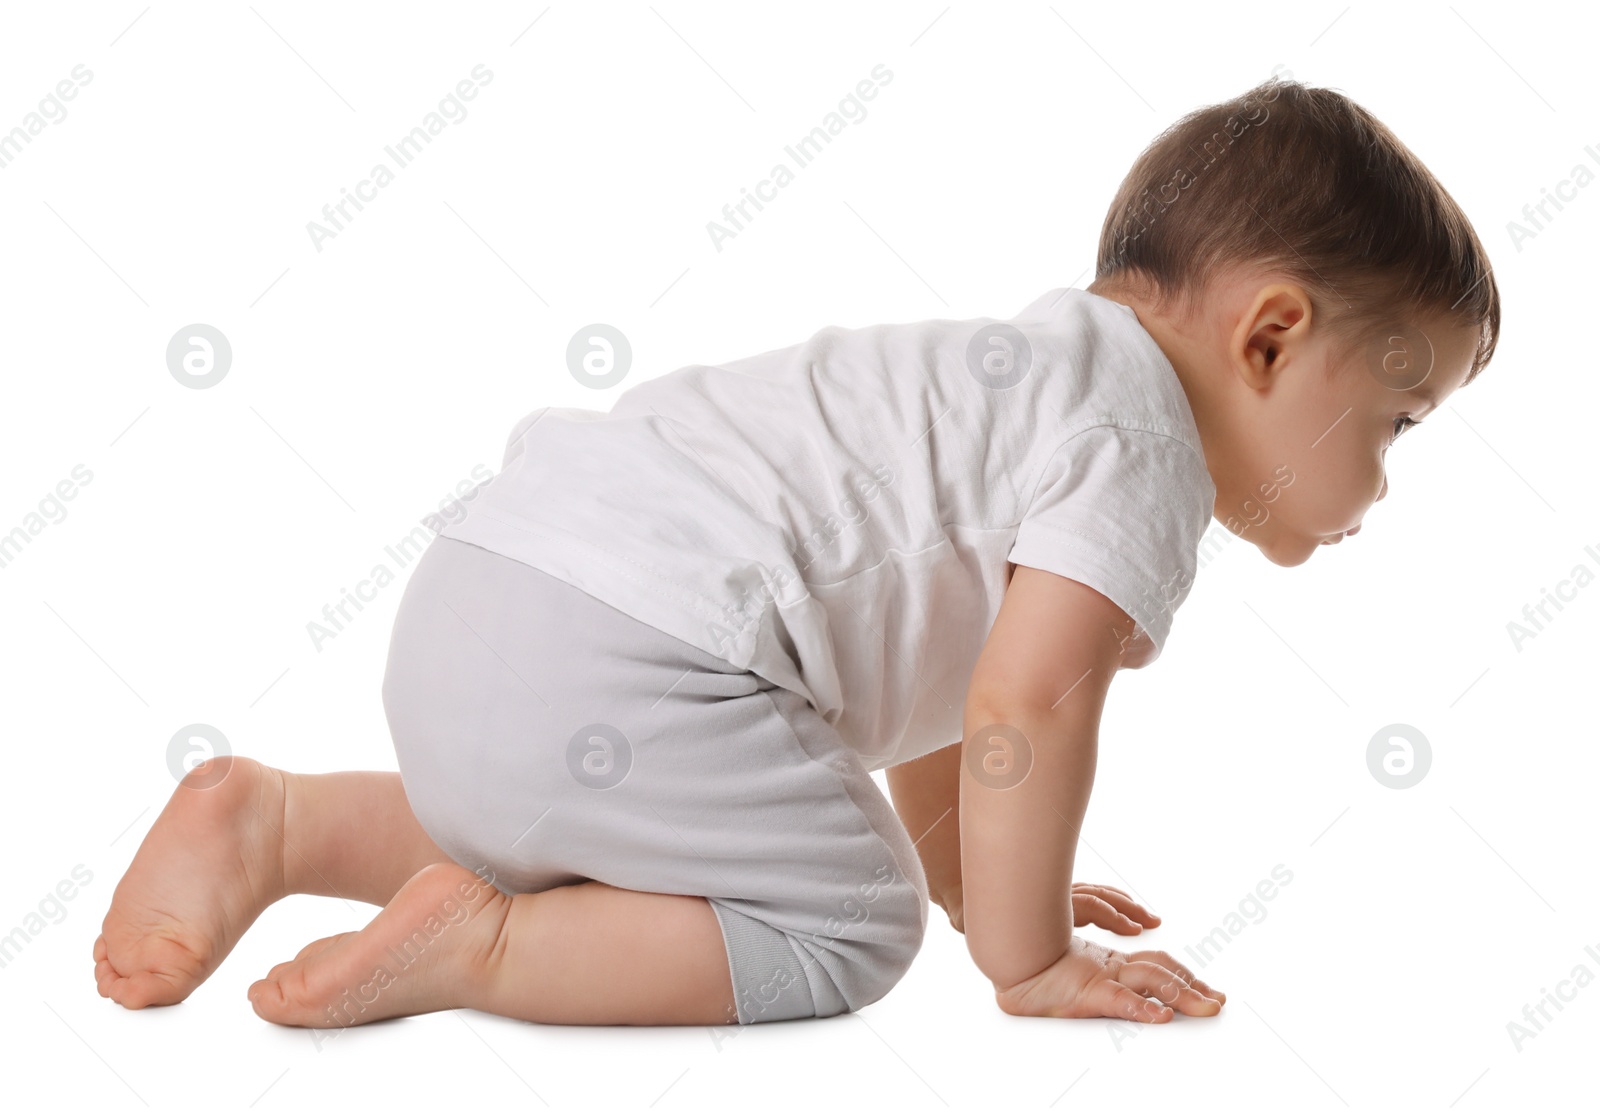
[[1205, 988], [1123, 904], [1165, 985], [1166, 960], [1099, 886], [1110, 998], [1089, 909]]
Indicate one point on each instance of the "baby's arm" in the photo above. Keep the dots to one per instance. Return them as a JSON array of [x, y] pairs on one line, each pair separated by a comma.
[[926, 795], [1038, 688]]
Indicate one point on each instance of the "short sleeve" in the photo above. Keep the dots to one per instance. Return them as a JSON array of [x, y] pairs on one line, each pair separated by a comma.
[[1121, 510]]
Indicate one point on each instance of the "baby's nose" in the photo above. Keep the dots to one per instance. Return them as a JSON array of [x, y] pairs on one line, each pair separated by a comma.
[[1384, 490]]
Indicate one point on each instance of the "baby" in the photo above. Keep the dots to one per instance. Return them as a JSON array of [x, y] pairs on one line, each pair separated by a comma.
[[638, 689]]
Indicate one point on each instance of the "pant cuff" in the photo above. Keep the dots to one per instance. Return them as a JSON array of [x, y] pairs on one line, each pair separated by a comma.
[[771, 982]]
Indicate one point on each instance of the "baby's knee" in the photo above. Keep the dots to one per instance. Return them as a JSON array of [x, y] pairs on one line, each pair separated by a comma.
[[869, 971], [844, 959], [870, 938]]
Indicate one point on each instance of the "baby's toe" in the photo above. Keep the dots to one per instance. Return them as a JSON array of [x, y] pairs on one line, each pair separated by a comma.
[[315, 947], [281, 999], [143, 988], [323, 944], [267, 999], [104, 976]]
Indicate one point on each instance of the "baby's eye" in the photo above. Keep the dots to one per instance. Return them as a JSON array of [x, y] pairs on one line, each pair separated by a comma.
[[1401, 424]]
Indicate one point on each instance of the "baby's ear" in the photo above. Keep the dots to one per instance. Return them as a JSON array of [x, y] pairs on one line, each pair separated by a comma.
[[1275, 324]]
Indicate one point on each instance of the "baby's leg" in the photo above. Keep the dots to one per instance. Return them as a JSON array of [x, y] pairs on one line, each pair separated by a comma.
[[585, 954], [352, 835], [235, 837], [557, 742]]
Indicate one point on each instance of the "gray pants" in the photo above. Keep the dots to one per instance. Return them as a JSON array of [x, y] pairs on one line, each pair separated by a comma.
[[552, 739]]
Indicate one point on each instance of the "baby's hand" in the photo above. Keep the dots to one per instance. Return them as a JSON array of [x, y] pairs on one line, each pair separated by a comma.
[[1109, 908], [1094, 981]]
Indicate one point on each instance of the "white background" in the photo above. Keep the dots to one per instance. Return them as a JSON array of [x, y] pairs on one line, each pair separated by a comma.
[[369, 378]]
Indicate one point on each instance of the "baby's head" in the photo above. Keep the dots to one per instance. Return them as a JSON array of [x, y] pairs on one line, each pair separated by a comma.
[[1316, 289]]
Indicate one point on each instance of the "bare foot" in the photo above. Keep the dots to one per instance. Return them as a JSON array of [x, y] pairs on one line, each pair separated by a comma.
[[424, 952], [210, 865]]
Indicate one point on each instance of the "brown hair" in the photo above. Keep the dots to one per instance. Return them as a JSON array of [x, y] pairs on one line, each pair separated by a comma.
[[1304, 182]]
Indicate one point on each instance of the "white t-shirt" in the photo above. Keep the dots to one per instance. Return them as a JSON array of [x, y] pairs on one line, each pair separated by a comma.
[[837, 516]]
